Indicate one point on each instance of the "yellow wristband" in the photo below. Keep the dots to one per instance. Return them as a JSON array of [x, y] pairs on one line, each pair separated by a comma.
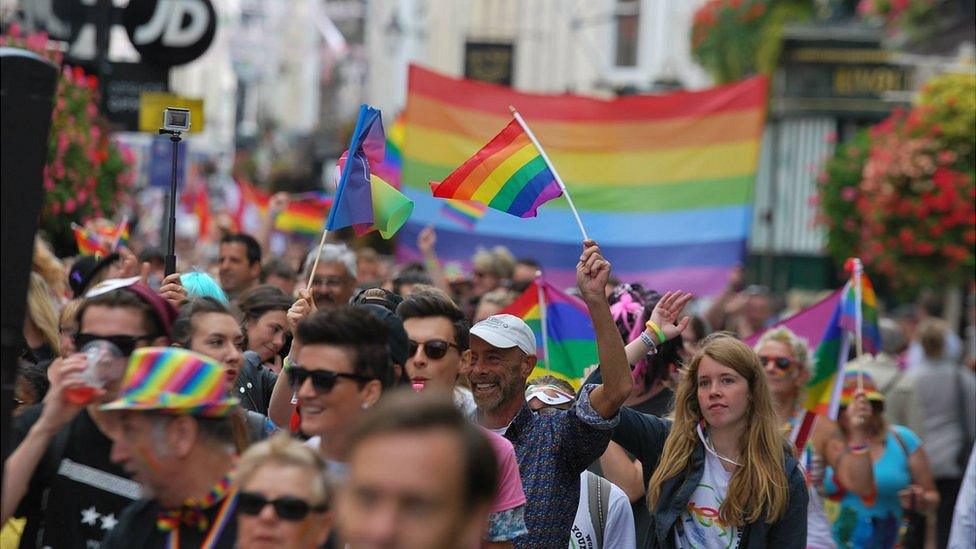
[[286, 364], [652, 326]]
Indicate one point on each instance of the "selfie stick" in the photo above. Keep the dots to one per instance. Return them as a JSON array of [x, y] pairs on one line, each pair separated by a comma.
[[175, 136]]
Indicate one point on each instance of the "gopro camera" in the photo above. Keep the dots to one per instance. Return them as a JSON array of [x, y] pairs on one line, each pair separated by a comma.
[[176, 119]]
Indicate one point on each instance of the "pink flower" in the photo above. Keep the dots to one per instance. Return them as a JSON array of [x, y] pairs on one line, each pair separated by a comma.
[[55, 208], [69, 205], [848, 193]]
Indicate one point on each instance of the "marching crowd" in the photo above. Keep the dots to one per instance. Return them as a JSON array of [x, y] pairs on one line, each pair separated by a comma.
[[404, 409]]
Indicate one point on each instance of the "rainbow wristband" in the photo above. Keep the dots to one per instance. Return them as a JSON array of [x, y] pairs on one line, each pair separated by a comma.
[[652, 326]]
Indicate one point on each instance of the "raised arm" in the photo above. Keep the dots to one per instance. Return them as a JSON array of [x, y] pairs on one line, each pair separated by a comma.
[[592, 274], [58, 411], [663, 318], [280, 407]]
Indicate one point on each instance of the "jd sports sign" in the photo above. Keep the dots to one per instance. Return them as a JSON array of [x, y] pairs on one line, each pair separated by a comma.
[[164, 32], [170, 32]]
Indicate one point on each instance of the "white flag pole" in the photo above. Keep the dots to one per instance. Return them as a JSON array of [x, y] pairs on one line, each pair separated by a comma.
[[545, 157], [543, 321], [315, 264]]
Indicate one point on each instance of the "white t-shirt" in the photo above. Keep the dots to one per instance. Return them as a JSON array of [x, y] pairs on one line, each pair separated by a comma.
[[699, 526], [618, 529], [338, 471]]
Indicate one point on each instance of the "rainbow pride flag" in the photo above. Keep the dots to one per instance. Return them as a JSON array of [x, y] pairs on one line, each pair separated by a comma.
[[824, 387], [304, 216], [90, 243], [570, 339], [465, 212], [664, 183], [391, 167], [508, 174]]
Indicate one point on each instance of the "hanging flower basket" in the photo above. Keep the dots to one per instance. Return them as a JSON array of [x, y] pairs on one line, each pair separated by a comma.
[[87, 175], [902, 196]]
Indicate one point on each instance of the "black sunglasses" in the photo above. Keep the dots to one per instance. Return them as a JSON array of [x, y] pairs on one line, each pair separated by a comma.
[[322, 380], [125, 343], [287, 508], [781, 362], [434, 349]]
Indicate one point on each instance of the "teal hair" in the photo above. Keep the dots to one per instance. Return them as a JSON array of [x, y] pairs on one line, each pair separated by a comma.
[[199, 284]]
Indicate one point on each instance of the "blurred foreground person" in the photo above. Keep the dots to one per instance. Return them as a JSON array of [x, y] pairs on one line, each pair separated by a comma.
[[283, 496], [174, 438], [60, 476], [420, 476]]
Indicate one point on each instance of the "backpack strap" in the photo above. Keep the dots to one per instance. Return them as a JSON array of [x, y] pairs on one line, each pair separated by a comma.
[[597, 504]]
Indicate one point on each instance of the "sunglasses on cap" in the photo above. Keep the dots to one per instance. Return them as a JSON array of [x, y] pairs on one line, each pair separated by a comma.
[[287, 508], [125, 343], [548, 394], [322, 380], [780, 362], [434, 348]]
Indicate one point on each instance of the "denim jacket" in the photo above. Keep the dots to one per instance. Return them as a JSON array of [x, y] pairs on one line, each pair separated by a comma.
[[643, 435]]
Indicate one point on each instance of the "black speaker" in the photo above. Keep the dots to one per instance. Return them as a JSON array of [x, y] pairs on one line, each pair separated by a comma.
[[27, 85]]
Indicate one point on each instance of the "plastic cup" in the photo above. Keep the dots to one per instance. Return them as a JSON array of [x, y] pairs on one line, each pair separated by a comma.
[[105, 363]]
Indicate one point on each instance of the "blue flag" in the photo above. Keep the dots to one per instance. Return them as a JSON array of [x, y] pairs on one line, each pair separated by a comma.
[[353, 198]]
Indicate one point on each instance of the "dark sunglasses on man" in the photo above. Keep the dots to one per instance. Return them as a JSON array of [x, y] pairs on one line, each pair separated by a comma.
[[125, 343], [434, 348], [322, 380], [286, 507], [780, 362]]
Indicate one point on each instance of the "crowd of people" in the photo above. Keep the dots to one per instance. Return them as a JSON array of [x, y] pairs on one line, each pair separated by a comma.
[[342, 401]]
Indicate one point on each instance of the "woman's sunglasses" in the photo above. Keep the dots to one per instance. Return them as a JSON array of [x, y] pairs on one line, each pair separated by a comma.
[[434, 349], [322, 380], [780, 362], [287, 508]]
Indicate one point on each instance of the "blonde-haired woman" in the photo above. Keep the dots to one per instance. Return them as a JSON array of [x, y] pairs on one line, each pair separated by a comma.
[[720, 472], [817, 441], [283, 496], [41, 322]]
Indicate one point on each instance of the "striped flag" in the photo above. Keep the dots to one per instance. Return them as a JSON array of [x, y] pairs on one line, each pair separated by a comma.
[[465, 212], [569, 344], [642, 170], [824, 387], [508, 174]]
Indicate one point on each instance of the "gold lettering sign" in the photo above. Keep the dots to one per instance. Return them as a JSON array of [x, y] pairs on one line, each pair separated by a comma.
[[866, 80], [489, 63]]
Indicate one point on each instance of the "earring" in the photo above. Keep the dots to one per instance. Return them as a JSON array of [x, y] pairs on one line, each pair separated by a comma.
[[365, 406]]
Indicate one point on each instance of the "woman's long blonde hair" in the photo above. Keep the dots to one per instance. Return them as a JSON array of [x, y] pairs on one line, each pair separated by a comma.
[[759, 485], [42, 312]]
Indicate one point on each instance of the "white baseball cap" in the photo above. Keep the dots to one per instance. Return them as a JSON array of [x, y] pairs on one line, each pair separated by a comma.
[[506, 331]]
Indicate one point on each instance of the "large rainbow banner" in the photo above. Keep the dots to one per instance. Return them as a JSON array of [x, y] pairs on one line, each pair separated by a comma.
[[664, 183]]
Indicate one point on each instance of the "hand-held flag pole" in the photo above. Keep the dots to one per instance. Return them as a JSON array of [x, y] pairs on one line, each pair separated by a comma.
[[858, 321], [315, 264], [547, 364], [559, 180], [336, 202]]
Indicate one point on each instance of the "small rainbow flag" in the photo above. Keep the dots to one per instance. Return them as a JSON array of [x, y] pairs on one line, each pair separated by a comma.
[[90, 243], [465, 212], [507, 174], [570, 338], [304, 216], [824, 387]]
